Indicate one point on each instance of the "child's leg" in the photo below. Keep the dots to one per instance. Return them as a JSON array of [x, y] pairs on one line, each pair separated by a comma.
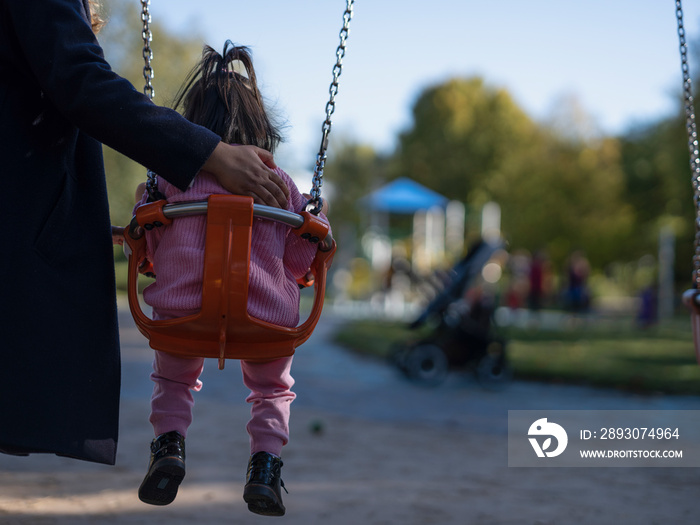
[[171, 415], [172, 401], [174, 379], [270, 386]]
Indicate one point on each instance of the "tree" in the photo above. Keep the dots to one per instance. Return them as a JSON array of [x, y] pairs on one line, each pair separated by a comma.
[[568, 196], [472, 143], [658, 186], [463, 133]]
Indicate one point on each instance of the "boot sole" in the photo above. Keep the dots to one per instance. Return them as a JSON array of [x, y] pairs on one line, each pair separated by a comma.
[[262, 500], [160, 485]]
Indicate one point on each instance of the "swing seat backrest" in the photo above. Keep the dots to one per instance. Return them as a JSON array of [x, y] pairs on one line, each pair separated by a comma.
[[223, 329]]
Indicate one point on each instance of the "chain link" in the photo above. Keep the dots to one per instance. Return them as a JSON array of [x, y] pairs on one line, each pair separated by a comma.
[[147, 36], [692, 140], [316, 203]]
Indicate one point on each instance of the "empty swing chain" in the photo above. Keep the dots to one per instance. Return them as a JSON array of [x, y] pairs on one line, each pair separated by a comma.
[[316, 203], [692, 140], [147, 36]]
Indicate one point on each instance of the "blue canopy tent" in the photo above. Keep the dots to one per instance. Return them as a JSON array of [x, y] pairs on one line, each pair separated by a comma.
[[403, 195]]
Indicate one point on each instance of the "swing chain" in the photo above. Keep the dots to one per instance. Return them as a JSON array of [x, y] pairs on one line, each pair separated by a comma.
[[147, 36], [692, 139], [316, 203]]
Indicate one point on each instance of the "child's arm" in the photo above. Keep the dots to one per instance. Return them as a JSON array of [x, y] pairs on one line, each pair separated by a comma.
[[118, 235], [309, 277], [300, 253], [140, 190], [141, 197]]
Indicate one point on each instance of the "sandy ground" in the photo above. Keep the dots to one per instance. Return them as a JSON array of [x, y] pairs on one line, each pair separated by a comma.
[[387, 452]]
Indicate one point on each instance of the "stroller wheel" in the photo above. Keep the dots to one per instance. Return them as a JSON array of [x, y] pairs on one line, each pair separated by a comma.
[[493, 372], [427, 364]]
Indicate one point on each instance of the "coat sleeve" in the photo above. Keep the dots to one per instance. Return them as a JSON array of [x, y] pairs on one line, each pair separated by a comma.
[[60, 48]]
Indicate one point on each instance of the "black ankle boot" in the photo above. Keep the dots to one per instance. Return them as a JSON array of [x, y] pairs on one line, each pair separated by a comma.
[[262, 488], [165, 471]]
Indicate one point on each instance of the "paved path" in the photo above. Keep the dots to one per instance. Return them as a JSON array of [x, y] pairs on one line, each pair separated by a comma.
[[330, 378], [367, 447]]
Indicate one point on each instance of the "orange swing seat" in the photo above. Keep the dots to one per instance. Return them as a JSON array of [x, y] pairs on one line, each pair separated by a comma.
[[223, 329]]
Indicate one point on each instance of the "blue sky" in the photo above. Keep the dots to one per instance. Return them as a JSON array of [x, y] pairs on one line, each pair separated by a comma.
[[618, 58]]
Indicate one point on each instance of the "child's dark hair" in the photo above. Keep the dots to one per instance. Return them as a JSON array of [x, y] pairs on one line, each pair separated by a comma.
[[227, 100]]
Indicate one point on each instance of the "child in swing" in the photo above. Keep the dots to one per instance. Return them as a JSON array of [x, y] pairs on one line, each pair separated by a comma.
[[221, 94]]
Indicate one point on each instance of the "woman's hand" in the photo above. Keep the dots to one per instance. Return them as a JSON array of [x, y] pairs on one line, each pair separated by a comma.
[[245, 170]]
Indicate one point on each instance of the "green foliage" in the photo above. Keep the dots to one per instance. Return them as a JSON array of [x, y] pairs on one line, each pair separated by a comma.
[[565, 197], [658, 187], [472, 143], [174, 56], [464, 133]]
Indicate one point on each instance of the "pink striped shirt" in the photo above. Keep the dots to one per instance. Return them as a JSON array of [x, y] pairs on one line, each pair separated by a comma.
[[277, 258]]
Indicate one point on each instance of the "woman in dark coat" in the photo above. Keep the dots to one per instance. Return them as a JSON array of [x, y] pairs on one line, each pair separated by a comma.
[[59, 348]]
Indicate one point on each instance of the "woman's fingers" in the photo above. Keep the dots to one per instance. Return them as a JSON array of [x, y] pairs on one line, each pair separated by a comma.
[[243, 170]]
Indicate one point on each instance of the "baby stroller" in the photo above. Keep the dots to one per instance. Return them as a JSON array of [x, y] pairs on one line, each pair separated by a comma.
[[463, 337]]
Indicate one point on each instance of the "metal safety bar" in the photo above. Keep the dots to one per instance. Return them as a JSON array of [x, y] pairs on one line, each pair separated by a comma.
[[294, 220]]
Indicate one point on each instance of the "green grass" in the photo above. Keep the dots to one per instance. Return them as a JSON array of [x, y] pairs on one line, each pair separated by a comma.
[[374, 338], [604, 354]]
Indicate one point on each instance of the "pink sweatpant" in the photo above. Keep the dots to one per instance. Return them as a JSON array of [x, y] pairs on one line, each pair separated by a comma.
[[270, 386]]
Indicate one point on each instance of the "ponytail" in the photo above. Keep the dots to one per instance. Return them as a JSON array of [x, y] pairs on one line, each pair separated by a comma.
[[221, 94]]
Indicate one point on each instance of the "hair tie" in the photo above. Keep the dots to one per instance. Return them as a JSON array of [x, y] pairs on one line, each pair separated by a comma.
[[238, 67]]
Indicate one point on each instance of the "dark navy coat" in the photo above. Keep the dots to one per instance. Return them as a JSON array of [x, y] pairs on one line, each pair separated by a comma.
[[59, 348]]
